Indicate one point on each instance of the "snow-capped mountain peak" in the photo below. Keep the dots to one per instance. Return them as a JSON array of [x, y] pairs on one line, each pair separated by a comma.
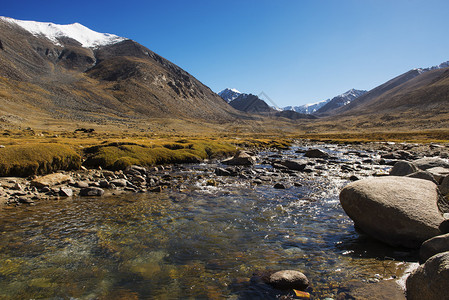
[[337, 101], [440, 66], [308, 108], [85, 36], [229, 94]]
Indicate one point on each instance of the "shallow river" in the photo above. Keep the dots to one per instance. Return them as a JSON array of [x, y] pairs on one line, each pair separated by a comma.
[[197, 243]]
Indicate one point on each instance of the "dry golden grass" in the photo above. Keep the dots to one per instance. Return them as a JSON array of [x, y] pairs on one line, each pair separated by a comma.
[[435, 136], [37, 158], [27, 152]]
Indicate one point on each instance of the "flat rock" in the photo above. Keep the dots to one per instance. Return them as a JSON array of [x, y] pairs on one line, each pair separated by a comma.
[[81, 184], [439, 173], [296, 165], [430, 162], [430, 280], [50, 180], [435, 245], [423, 175], [399, 211], [119, 182], [316, 153], [65, 192]]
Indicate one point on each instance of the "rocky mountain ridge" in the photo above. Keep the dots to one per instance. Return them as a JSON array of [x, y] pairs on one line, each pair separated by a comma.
[[329, 104], [116, 81], [229, 94]]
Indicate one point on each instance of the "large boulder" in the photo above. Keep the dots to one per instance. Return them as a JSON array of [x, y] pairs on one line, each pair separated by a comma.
[[50, 180], [296, 165], [435, 245], [430, 281], [399, 211], [316, 153], [242, 158], [403, 168], [439, 173], [430, 162]]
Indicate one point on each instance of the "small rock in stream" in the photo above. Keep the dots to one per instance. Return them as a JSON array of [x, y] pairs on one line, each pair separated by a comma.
[[91, 191]]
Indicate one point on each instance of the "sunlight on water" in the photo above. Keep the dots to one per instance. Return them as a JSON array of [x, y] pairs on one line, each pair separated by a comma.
[[204, 242]]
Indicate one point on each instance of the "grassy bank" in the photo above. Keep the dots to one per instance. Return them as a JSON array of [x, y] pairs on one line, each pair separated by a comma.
[[28, 153], [37, 159]]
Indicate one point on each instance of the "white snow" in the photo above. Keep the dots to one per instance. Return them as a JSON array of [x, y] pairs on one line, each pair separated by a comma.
[[229, 94], [85, 36], [440, 66]]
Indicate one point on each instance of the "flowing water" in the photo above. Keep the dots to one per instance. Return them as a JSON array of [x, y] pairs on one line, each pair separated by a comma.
[[201, 242]]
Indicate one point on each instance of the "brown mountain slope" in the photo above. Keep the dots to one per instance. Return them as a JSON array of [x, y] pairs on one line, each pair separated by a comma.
[[111, 84], [381, 90], [409, 101], [426, 92]]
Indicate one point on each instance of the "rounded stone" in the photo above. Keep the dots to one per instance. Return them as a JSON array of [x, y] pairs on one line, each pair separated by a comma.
[[403, 168], [430, 280], [399, 211], [435, 245], [289, 279]]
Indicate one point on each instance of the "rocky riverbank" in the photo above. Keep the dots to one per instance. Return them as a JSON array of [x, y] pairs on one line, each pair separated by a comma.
[[409, 208], [275, 169]]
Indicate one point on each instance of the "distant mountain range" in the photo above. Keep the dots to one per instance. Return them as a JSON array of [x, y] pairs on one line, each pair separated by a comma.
[[417, 99], [71, 74], [327, 105], [339, 101], [252, 104], [229, 95]]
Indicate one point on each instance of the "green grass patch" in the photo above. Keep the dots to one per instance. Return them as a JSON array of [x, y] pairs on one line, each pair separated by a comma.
[[116, 156], [37, 159]]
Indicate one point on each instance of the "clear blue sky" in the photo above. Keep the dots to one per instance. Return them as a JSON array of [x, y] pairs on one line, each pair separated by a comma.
[[296, 51]]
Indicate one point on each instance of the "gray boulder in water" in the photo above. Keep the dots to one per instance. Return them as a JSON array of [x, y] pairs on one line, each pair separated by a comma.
[[430, 280], [435, 245], [403, 168], [430, 162], [399, 211], [316, 153], [242, 158]]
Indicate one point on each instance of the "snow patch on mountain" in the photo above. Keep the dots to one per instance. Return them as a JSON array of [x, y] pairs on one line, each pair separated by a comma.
[[340, 100], [440, 66], [85, 36], [229, 94], [309, 108]]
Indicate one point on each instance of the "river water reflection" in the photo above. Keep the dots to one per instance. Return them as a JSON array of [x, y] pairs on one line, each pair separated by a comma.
[[202, 242]]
